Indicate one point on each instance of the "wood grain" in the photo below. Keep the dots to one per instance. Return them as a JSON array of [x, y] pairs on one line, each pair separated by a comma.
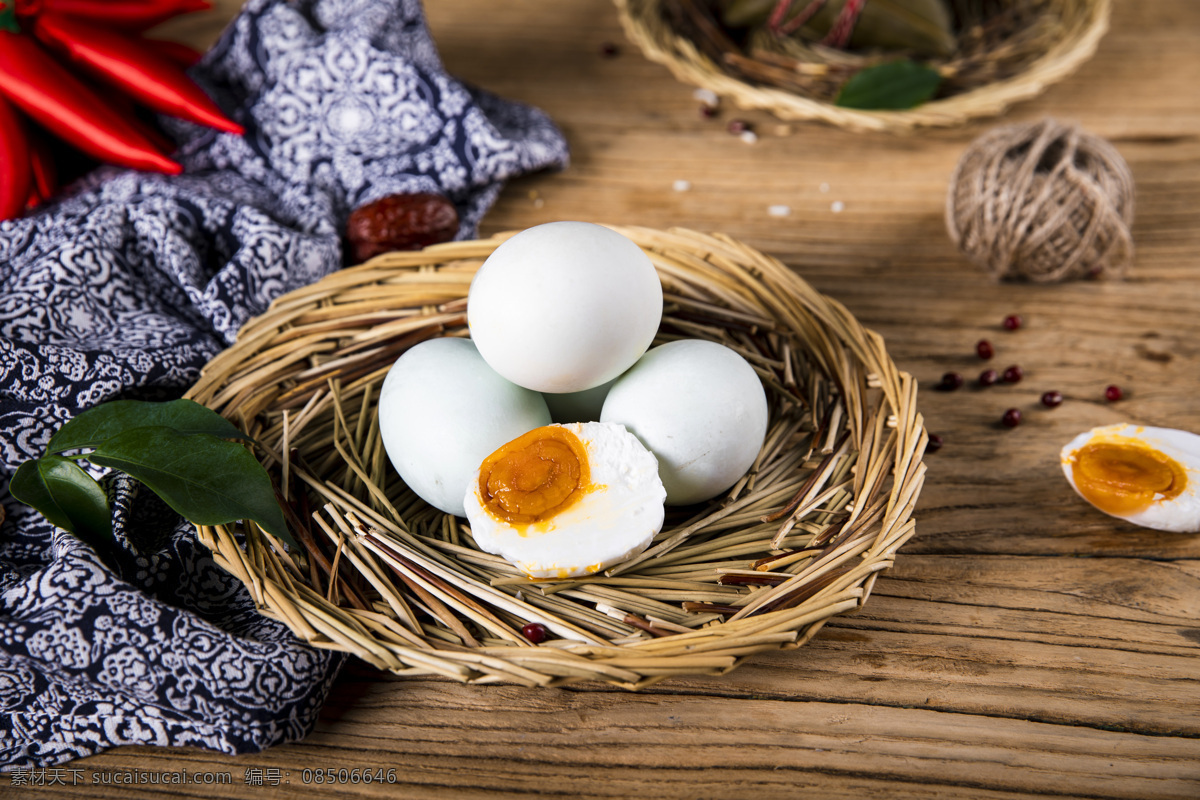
[[1023, 645]]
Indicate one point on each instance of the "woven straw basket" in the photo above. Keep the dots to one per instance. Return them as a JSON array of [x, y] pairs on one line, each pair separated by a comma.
[[384, 576], [1064, 35]]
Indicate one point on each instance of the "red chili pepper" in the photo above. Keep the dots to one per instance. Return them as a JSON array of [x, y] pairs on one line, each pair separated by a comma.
[[182, 55], [16, 178], [59, 101], [24, 8], [136, 15], [125, 63]]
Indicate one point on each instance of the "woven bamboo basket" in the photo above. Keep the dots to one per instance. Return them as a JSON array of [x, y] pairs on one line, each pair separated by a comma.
[[985, 77], [380, 574]]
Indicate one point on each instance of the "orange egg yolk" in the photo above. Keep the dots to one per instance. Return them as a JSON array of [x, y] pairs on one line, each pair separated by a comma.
[[1124, 478], [535, 476]]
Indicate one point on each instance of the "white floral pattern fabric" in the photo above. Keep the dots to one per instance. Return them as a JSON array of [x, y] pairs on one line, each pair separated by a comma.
[[128, 284]]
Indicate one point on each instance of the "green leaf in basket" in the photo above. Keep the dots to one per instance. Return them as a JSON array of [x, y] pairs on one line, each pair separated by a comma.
[[888, 87], [208, 480], [106, 420], [65, 495]]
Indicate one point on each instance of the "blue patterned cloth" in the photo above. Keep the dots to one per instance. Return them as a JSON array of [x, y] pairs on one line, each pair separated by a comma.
[[129, 284]]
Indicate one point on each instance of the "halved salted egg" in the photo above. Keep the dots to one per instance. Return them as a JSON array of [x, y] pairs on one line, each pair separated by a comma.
[[1147, 476], [563, 501]]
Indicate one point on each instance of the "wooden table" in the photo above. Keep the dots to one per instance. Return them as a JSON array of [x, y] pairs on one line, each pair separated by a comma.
[[1024, 644]]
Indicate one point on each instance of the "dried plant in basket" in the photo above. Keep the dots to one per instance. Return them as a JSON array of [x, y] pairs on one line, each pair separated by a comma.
[[383, 575], [983, 55]]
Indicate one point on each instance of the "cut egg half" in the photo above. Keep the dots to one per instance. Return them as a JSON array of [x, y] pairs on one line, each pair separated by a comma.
[[564, 501], [1147, 476]]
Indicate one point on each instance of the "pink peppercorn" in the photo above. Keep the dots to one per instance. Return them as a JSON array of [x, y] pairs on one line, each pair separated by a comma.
[[1052, 399], [950, 382], [535, 632]]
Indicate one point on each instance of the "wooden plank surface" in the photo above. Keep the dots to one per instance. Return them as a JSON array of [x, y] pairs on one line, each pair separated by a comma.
[[1023, 645]]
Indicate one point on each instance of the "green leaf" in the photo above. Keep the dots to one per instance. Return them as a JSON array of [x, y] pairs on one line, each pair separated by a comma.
[[891, 86], [8, 18], [65, 495], [208, 480], [106, 420]]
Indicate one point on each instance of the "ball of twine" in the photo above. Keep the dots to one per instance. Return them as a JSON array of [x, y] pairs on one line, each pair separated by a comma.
[[1042, 202]]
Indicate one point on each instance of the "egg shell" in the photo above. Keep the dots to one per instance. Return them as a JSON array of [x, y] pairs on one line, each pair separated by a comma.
[[564, 306], [611, 524], [1180, 514], [442, 410], [582, 406], [700, 408]]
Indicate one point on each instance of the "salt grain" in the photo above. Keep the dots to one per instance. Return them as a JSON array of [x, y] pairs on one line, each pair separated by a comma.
[[683, 186], [779, 211], [749, 137], [706, 96], [837, 207]]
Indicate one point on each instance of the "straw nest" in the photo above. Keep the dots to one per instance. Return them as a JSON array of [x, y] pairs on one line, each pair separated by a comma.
[[384, 576], [1008, 57]]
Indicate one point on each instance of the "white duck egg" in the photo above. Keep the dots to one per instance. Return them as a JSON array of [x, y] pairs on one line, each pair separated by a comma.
[[564, 306], [582, 406], [700, 408], [567, 500], [1147, 476], [441, 410]]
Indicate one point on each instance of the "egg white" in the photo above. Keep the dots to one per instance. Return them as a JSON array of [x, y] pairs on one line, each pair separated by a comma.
[[610, 524], [1181, 513]]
